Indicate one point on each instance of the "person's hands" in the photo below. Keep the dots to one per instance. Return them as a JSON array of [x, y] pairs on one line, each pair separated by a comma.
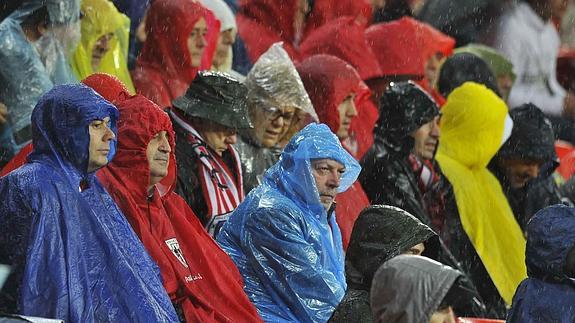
[[3, 114]]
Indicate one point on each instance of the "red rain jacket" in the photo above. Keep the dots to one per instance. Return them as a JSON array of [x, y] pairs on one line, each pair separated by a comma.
[[164, 68], [328, 81], [344, 38], [197, 274]]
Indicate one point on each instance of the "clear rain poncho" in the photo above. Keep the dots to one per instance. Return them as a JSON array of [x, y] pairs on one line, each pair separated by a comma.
[[272, 82], [28, 70], [285, 244]]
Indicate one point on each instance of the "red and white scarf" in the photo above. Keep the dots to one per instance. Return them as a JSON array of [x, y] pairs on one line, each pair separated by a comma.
[[221, 191]]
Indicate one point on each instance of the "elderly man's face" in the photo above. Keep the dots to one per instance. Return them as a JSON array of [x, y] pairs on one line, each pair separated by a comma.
[[269, 122], [520, 171], [158, 154], [327, 174], [100, 136], [216, 136], [426, 139]]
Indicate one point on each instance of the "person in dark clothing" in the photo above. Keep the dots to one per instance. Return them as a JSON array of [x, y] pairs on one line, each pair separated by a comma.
[[463, 67], [380, 233], [524, 164], [205, 121], [410, 289], [387, 176], [548, 295]]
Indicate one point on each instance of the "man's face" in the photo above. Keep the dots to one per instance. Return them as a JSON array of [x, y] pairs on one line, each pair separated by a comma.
[[100, 137], [426, 139], [158, 154], [269, 123], [100, 49], [225, 42], [217, 137], [504, 84], [347, 112], [432, 68], [520, 171], [443, 316], [416, 250], [197, 42], [327, 174]]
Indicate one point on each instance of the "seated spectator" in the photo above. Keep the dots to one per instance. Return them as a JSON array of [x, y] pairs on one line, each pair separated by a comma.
[[344, 38], [224, 56], [464, 67], [380, 233], [500, 66], [332, 85], [407, 123], [478, 225], [407, 47], [74, 255], [548, 294], [205, 121], [528, 38], [135, 10], [525, 163], [34, 39], [173, 53], [416, 289], [275, 93], [201, 280], [104, 43], [284, 238]]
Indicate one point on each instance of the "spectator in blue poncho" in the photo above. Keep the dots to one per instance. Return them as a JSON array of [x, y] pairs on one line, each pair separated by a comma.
[[74, 255], [284, 237]]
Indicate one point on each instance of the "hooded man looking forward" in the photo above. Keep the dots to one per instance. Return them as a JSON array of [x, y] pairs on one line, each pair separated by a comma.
[[284, 237]]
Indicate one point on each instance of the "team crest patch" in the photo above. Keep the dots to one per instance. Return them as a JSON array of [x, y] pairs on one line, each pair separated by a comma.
[[175, 247]]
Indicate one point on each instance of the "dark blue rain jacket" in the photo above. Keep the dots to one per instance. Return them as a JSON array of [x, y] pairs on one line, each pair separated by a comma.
[[548, 295], [74, 255], [286, 246]]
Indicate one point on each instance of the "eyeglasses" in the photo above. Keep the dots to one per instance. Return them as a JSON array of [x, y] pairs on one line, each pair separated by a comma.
[[274, 113]]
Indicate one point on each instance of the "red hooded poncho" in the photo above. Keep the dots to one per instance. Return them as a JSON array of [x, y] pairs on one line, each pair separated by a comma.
[[328, 81], [325, 11], [108, 86], [196, 273], [164, 68], [344, 38], [404, 46]]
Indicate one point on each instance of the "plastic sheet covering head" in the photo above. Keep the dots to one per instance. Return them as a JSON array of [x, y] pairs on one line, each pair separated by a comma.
[[404, 107], [75, 256], [29, 69], [281, 238], [217, 97], [275, 80], [105, 33]]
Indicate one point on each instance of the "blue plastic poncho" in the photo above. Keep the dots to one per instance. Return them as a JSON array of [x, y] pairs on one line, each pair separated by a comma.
[[74, 255], [286, 246], [30, 69], [548, 295]]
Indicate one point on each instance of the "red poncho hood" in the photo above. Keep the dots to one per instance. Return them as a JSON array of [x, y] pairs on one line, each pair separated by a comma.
[[343, 38], [403, 46], [196, 273], [328, 80], [165, 55]]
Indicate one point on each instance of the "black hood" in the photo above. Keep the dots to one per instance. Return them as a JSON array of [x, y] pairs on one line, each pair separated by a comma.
[[465, 67], [403, 108], [532, 136], [380, 233]]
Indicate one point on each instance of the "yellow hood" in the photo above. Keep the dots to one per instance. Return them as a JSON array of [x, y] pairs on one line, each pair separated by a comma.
[[472, 131], [101, 18]]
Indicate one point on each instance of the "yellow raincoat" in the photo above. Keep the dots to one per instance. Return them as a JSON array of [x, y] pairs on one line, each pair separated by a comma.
[[472, 131], [101, 18]]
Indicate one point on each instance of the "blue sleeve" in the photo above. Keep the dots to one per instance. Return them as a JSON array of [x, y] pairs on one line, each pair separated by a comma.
[[290, 267]]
